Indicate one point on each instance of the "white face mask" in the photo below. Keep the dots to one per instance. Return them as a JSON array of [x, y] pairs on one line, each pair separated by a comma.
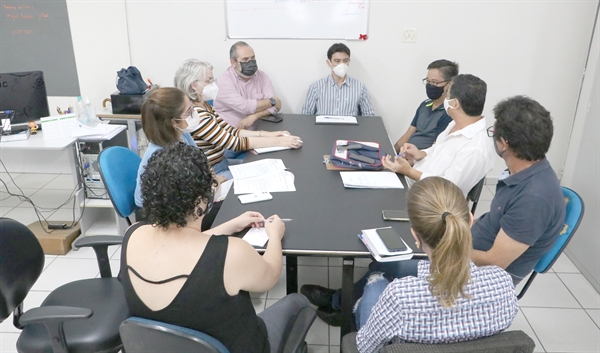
[[210, 91], [193, 122], [447, 104], [341, 69]]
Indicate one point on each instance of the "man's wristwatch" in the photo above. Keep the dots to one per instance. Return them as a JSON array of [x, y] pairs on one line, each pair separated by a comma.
[[273, 101]]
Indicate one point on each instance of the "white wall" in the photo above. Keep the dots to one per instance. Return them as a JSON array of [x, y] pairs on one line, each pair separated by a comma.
[[532, 48]]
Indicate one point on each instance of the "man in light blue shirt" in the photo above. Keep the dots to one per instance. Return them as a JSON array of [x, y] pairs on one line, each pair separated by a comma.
[[338, 93]]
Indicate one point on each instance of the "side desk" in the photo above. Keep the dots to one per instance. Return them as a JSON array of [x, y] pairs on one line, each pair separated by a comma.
[[326, 216]]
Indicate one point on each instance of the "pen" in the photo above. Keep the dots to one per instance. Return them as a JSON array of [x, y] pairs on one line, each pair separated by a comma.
[[285, 220]]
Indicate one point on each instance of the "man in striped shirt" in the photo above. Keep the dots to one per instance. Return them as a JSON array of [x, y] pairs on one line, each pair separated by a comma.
[[338, 93]]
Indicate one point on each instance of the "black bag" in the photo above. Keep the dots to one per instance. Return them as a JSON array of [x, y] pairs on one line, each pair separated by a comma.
[[130, 81], [356, 155]]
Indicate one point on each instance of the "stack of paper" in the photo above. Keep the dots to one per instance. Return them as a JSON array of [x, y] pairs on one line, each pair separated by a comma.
[[335, 119], [267, 175], [371, 180], [373, 242]]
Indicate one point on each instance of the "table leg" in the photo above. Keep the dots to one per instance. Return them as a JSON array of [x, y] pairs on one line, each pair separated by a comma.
[[291, 273], [347, 289]]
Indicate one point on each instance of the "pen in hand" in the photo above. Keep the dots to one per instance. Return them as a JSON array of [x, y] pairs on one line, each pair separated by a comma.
[[285, 220]]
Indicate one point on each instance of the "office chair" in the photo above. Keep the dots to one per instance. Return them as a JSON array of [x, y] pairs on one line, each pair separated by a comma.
[[149, 336], [575, 211], [474, 194], [118, 170], [503, 342], [81, 316]]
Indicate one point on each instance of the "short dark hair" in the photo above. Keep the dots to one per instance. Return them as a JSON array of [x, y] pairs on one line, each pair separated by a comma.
[[447, 68], [158, 111], [337, 48], [525, 125], [176, 180], [470, 91], [233, 54]]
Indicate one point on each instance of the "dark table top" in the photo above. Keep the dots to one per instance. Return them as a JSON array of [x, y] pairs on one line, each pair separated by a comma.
[[326, 216]]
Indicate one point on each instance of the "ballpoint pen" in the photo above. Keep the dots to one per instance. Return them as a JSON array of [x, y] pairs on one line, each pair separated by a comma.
[[285, 220]]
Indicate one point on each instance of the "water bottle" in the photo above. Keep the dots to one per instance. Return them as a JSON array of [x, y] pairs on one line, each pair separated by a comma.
[[93, 120], [82, 115]]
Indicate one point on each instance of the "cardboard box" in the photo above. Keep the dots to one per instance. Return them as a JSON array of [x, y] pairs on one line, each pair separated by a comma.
[[58, 242]]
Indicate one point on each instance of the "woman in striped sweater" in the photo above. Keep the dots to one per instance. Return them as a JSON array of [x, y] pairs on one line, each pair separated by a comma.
[[210, 132]]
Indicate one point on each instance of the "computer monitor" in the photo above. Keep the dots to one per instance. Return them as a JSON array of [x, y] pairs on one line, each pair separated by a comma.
[[25, 94]]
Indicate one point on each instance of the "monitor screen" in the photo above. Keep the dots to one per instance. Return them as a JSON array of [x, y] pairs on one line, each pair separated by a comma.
[[25, 94]]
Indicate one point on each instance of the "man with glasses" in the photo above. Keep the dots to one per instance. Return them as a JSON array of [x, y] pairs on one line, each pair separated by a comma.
[[338, 93], [431, 118], [462, 153], [246, 93]]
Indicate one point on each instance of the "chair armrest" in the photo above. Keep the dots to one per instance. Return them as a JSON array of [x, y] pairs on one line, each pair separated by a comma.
[[298, 332], [100, 244], [46, 314], [349, 343]]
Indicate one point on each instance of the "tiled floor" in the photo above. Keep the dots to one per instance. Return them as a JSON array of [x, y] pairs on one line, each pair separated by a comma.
[[561, 310]]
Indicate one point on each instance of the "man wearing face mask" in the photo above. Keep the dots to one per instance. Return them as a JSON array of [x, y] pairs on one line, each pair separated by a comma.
[[213, 135], [431, 117], [338, 93], [246, 93], [462, 153]]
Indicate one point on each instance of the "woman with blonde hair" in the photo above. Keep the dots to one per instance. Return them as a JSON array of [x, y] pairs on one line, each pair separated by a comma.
[[450, 299], [211, 133]]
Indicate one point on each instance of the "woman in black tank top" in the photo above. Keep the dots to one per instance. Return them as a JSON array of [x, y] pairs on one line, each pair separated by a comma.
[[174, 273]]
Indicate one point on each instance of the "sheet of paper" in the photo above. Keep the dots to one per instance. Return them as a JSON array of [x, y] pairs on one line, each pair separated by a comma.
[[273, 182], [371, 180], [223, 189], [258, 168], [270, 149], [373, 239], [256, 237], [335, 119]]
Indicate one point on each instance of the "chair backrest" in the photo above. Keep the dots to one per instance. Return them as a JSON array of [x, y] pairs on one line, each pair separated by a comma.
[[575, 211], [21, 263], [474, 194], [118, 170], [149, 336]]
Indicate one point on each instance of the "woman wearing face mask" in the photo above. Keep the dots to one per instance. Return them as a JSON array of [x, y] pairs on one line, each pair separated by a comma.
[[209, 131]]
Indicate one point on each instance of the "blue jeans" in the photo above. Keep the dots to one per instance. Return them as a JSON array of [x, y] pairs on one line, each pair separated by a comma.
[[391, 271], [222, 169], [235, 157], [376, 284]]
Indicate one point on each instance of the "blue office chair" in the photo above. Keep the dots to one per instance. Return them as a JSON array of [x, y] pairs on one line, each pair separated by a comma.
[[118, 170], [80, 316], [575, 211]]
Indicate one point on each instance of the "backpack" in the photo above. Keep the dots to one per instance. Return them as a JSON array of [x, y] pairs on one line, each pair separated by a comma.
[[130, 81], [356, 155]]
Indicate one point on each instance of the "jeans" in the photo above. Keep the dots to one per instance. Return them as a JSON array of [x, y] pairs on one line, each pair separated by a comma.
[[280, 317], [376, 284], [222, 169], [391, 271], [235, 157]]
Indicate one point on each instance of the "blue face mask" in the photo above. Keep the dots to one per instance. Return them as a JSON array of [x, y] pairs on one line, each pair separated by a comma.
[[434, 92]]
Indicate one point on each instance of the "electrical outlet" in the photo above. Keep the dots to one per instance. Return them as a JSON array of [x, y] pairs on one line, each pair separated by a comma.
[[409, 35]]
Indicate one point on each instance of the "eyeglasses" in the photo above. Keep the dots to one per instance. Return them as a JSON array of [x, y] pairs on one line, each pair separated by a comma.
[[434, 83], [490, 131], [207, 81]]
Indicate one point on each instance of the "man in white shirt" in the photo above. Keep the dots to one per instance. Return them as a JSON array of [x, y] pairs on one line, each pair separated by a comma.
[[462, 153]]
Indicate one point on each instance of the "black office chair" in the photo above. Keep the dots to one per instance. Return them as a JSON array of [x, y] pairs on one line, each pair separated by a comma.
[[503, 342], [81, 316], [474, 194]]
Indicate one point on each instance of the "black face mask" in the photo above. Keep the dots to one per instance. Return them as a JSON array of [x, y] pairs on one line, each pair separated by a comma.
[[434, 92], [498, 152], [249, 68]]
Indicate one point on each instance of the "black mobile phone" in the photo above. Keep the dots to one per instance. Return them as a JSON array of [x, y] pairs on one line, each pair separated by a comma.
[[358, 157], [272, 118], [391, 239], [395, 215]]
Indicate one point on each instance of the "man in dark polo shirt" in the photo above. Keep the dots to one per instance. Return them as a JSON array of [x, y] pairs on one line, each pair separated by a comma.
[[526, 215], [431, 118], [528, 209]]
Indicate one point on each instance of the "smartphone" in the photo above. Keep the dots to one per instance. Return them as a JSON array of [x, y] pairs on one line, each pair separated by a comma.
[[391, 239], [272, 118], [395, 215], [249, 198]]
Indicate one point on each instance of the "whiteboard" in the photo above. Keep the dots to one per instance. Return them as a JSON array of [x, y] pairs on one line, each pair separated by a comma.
[[297, 19]]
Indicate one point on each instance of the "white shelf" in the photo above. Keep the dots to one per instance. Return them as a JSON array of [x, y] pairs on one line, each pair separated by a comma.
[[103, 227], [97, 203]]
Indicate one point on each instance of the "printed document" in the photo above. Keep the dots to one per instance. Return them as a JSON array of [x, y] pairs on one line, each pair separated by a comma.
[[335, 119], [257, 168], [371, 180], [272, 182]]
